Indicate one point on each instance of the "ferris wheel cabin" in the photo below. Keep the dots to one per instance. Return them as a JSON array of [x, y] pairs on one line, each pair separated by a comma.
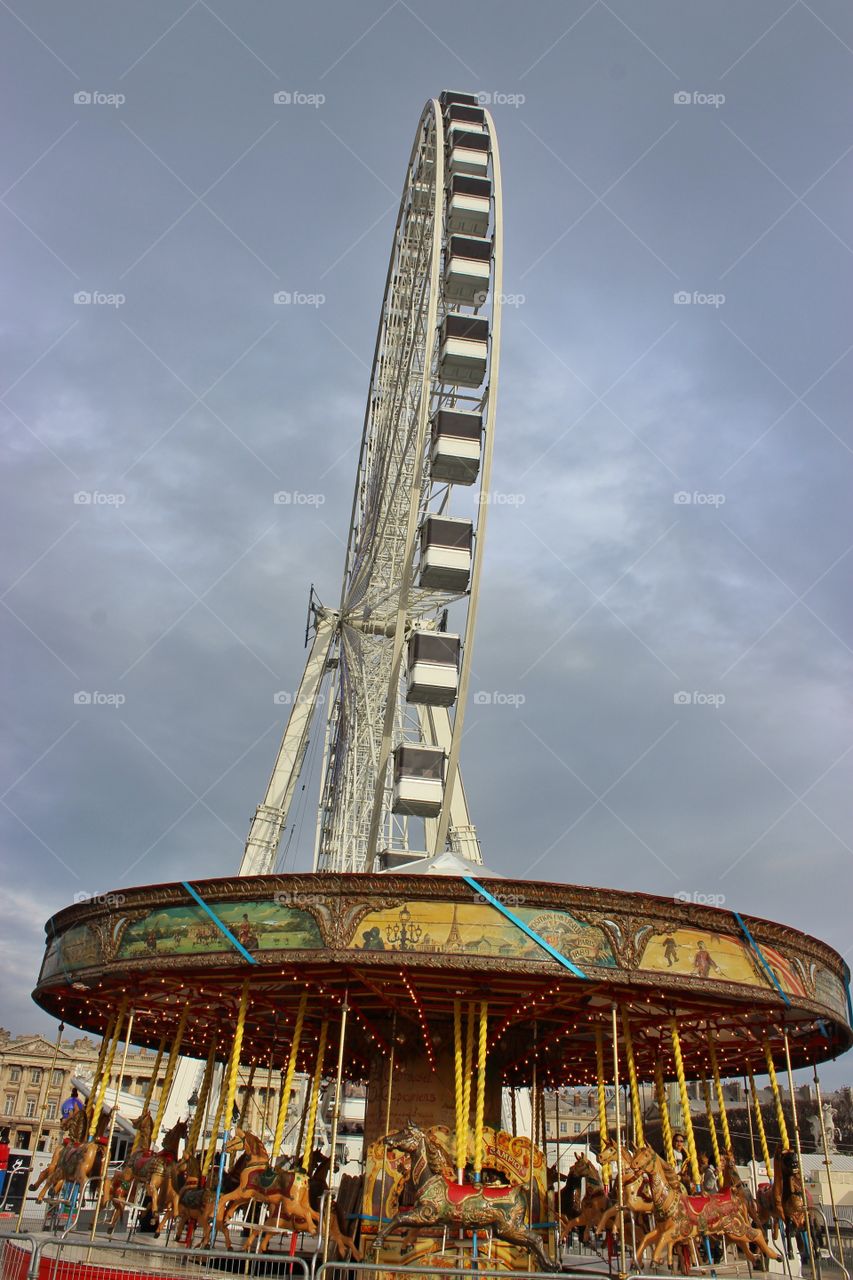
[[468, 270], [456, 445], [446, 544], [432, 668], [468, 205], [418, 781], [463, 350]]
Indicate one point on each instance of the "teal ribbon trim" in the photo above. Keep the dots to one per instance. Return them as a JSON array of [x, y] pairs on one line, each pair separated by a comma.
[[223, 928], [531, 933], [771, 975]]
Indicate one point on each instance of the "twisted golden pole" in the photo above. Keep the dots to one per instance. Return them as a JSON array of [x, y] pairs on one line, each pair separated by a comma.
[[287, 1083]]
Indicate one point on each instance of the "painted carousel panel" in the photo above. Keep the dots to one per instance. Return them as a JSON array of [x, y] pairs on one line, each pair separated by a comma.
[[260, 925]]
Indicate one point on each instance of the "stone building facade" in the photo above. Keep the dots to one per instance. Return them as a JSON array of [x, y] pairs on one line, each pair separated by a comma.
[[30, 1086]]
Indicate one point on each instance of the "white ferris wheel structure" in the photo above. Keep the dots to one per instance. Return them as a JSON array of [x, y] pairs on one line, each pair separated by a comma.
[[394, 657]]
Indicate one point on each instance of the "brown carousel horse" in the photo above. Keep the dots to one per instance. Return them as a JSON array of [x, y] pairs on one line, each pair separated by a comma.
[[76, 1158], [591, 1206], [474, 1207], [283, 1189], [194, 1201], [680, 1217], [151, 1169], [318, 1185], [785, 1203]]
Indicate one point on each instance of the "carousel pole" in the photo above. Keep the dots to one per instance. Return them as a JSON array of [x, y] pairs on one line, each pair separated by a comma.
[[623, 1263], [469, 1073], [826, 1162], [390, 1090], [513, 1115], [799, 1148], [663, 1108], [201, 1105], [636, 1108], [718, 1089], [102, 1054], [602, 1102], [461, 1144], [106, 1070], [315, 1096], [532, 1120], [777, 1097], [171, 1068], [752, 1160], [336, 1115], [216, 1122], [42, 1116], [759, 1124], [105, 1155], [268, 1089], [685, 1102], [287, 1082], [558, 1197], [227, 1099], [480, 1105], [247, 1096], [712, 1128], [152, 1083]]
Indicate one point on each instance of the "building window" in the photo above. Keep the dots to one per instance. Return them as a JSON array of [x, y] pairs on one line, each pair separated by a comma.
[[30, 1108], [24, 1136], [56, 1078], [9, 1104], [14, 1074], [564, 1126], [576, 1127], [35, 1075], [51, 1109]]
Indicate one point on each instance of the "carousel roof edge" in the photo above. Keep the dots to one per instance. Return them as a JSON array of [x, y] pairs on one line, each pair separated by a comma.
[[514, 892]]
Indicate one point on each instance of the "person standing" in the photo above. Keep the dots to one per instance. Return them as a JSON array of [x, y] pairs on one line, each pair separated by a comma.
[[4, 1158], [71, 1104]]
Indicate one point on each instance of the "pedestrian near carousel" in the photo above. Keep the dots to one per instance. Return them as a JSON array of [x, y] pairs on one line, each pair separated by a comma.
[[71, 1104]]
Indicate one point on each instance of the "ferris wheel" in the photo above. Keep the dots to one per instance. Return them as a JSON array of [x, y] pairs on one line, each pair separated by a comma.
[[389, 667]]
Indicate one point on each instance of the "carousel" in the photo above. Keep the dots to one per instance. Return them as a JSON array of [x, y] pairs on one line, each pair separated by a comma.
[[464, 1003]]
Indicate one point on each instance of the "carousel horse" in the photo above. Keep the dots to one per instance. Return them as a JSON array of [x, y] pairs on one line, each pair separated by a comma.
[[633, 1184], [441, 1201], [680, 1217], [592, 1206], [732, 1181], [195, 1201], [318, 1171], [150, 1169], [785, 1203], [76, 1158], [284, 1189]]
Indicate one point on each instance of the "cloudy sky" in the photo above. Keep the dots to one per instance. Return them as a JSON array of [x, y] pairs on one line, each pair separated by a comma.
[[649, 150]]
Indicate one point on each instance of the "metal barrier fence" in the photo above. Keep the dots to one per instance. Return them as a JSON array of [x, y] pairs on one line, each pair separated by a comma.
[[25, 1257], [18, 1257]]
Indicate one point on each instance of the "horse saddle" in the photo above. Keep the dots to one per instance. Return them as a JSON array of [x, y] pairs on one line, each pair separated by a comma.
[[193, 1197], [699, 1206], [263, 1179], [457, 1193]]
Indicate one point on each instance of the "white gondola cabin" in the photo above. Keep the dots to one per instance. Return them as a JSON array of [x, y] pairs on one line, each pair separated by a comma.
[[463, 350], [465, 116], [468, 152], [467, 270], [469, 202], [455, 446], [432, 669], [448, 96], [418, 781], [446, 546]]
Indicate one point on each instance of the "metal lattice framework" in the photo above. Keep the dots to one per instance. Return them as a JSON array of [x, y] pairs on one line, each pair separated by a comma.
[[358, 650]]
